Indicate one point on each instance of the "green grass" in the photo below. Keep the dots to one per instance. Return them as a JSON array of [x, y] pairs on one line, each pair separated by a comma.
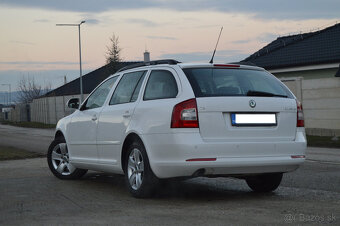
[[318, 141], [29, 124], [10, 153]]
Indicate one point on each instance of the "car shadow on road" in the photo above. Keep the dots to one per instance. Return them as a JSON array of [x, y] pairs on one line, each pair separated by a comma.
[[200, 189]]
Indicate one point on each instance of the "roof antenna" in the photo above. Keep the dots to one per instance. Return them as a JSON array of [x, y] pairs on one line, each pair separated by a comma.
[[212, 58]]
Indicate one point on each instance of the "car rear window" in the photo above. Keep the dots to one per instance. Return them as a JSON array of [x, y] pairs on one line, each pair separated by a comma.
[[208, 82]]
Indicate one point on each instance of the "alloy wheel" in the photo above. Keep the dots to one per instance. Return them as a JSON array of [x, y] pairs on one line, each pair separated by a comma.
[[135, 169], [60, 160]]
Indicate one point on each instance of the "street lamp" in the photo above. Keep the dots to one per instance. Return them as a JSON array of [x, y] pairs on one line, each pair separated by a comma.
[[10, 95], [80, 77]]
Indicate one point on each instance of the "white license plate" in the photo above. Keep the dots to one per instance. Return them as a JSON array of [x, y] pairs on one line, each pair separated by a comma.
[[244, 119]]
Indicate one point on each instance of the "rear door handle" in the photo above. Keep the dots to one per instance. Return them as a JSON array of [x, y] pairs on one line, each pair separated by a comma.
[[94, 118], [126, 114]]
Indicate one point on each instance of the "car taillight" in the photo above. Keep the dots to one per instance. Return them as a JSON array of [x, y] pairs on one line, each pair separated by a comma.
[[300, 119], [184, 115]]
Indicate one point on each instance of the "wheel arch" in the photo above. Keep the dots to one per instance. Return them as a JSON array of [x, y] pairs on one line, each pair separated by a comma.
[[129, 139], [59, 134]]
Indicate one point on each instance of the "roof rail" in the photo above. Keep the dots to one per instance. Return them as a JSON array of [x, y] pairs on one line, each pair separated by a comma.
[[154, 62]]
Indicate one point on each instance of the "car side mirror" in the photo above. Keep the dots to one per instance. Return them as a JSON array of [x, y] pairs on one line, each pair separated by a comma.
[[73, 103]]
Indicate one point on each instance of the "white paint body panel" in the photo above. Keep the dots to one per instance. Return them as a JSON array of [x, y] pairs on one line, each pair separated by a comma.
[[81, 135], [111, 131], [214, 115], [97, 144], [233, 157]]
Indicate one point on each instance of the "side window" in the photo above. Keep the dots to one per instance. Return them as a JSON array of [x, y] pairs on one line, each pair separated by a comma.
[[126, 90], [161, 85], [98, 97]]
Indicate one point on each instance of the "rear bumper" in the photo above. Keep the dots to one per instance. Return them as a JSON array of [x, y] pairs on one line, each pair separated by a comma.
[[168, 154]]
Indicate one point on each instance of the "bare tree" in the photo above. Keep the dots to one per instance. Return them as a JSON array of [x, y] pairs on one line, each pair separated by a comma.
[[48, 87], [113, 50], [29, 89]]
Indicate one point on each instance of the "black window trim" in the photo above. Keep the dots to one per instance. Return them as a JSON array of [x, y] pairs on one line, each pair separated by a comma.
[[142, 77]]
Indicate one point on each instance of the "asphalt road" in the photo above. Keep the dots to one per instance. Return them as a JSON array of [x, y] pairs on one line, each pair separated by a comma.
[[31, 195], [30, 139]]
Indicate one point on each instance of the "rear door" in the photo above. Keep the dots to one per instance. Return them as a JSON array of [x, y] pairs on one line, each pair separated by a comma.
[[115, 117], [153, 114], [242, 105]]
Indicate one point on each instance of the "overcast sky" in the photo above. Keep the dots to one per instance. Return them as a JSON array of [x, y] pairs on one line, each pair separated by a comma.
[[31, 44]]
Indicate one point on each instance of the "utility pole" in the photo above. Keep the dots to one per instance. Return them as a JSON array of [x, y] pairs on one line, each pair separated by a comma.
[[80, 69]]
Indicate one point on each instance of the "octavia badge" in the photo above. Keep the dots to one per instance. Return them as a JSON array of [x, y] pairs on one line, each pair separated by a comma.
[[252, 103]]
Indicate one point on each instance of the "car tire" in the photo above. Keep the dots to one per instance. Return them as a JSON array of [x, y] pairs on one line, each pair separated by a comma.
[[58, 161], [264, 182], [139, 178]]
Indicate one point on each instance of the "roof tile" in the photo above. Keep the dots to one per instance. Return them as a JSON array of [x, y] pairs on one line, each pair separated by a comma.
[[302, 49]]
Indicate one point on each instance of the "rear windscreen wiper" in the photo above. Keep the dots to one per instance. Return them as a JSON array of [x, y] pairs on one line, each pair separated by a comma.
[[263, 94]]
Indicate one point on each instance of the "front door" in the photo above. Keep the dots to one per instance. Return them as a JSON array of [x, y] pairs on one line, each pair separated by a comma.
[[82, 130]]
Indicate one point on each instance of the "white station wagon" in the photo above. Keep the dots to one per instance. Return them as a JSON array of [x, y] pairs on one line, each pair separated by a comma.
[[166, 119]]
